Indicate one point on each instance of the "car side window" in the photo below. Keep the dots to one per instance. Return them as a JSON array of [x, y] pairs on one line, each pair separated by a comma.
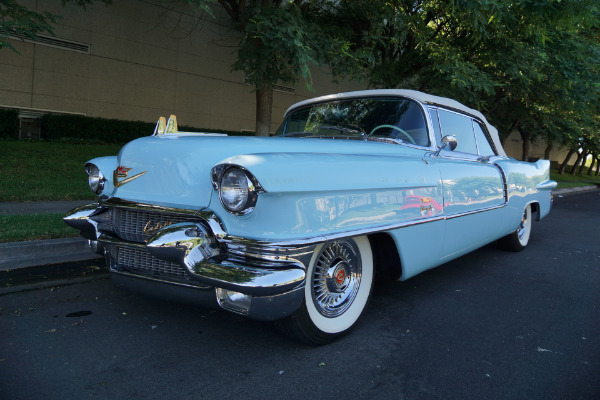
[[461, 127], [483, 144]]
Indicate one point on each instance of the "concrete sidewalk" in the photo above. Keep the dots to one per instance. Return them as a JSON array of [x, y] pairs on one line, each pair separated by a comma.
[[43, 252], [34, 253]]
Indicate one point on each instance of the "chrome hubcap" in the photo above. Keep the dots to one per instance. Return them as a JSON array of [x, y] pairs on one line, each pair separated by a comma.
[[336, 277], [523, 227]]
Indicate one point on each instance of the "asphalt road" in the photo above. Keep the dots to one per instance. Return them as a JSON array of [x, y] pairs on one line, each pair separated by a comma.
[[490, 325]]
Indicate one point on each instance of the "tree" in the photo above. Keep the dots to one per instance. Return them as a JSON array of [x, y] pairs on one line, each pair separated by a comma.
[[18, 22], [533, 66], [279, 42]]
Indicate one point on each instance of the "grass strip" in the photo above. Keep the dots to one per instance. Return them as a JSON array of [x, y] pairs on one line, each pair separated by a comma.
[[16, 228], [567, 180], [46, 171]]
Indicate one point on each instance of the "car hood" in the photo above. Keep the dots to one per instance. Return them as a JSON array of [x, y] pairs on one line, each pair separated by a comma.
[[174, 170]]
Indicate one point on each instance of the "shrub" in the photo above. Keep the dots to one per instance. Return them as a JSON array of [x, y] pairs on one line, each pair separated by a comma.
[[76, 128], [9, 124]]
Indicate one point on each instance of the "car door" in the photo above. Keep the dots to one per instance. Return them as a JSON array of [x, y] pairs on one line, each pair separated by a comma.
[[473, 187]]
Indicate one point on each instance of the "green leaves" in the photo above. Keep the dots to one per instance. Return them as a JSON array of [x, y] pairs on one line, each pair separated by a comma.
[[279, 44], [529, 63], [16, 21]]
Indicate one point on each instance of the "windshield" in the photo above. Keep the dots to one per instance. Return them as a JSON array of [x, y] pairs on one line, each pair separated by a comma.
[[366, 118]]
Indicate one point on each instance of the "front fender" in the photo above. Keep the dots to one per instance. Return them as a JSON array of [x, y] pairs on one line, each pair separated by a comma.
[[308, 195], [318, 172], [107, 166]]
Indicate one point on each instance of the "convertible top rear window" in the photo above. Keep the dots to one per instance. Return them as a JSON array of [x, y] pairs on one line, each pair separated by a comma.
[[393, 118]]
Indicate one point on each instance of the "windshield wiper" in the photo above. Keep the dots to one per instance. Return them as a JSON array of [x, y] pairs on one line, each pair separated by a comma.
[[359, 131], [340, 129], [296, 133]]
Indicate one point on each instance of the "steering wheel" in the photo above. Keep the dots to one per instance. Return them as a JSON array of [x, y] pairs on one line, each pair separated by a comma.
[[402, 131]]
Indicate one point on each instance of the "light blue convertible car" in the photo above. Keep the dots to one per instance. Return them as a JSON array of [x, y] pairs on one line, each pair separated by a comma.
[[378, 183]]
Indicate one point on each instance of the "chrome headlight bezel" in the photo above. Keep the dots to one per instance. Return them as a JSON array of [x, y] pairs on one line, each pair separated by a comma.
[[246, 182], [95, 178]]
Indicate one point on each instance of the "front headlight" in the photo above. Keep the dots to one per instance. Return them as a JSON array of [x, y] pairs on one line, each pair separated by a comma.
[[238, 188], [234, 189], [95, 178]]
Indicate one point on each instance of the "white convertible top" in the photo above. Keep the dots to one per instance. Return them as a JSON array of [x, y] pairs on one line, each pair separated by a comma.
[[411, 94]]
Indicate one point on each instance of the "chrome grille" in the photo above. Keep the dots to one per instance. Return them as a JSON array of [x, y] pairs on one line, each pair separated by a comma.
[[105, 221], [130, 224], [139, 262]]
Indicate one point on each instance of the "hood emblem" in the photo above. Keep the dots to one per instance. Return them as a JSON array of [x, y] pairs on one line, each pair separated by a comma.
[[121, 172]]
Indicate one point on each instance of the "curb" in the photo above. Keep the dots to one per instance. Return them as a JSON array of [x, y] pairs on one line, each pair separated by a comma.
[[574, 189], [17, 255]]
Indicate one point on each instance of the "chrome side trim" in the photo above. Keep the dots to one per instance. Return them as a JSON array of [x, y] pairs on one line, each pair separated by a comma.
[[320, 239], [504, 182], [546, 185], [271, 253], [476, 211]]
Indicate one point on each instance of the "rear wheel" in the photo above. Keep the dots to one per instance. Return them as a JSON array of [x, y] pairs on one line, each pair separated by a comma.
[[519, 239], [339, 281]]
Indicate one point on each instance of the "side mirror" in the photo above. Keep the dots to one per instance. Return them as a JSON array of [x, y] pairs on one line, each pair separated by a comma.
[[447, 141]]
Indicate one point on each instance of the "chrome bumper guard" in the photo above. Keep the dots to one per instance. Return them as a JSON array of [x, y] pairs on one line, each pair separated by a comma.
[[272, 274]]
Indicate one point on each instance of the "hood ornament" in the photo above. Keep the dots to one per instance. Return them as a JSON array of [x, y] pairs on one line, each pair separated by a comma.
[[121, 172]]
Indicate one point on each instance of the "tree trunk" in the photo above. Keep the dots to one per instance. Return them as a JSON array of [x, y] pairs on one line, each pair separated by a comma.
[[563, 166], [264, 103], [582, 166], [525, 139], [508, 132], [548, 149], [594, 160], [579, 157], [598, 166]]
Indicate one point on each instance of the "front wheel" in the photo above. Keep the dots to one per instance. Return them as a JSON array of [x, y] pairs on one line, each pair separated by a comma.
[[518, 240], [339, 281]]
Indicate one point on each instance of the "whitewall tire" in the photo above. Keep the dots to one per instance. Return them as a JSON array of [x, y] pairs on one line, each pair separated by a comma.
[[519, 239], [339, 281]]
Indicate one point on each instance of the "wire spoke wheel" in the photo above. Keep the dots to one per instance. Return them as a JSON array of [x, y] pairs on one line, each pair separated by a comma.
[[524, 230], [336, 278], [338, 286]]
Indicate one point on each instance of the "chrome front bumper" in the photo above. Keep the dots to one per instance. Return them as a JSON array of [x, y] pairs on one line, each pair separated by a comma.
[[207, 261]]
